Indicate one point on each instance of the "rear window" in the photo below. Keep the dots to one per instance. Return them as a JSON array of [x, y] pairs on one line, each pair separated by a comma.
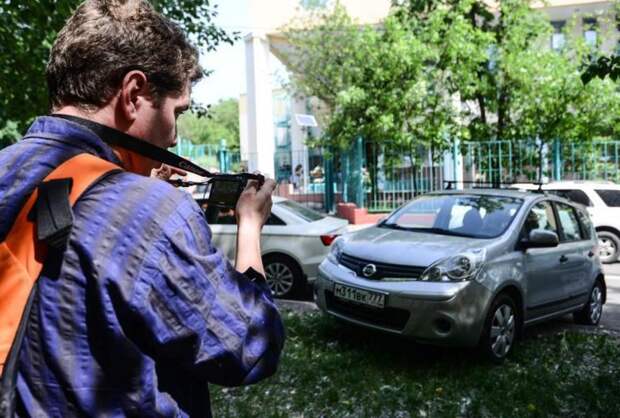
[[301, 211], [578, 196], [570, 225], [610, 197]]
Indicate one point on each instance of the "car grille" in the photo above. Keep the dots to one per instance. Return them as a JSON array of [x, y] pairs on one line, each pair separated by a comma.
[[392, 318], [383, 269]]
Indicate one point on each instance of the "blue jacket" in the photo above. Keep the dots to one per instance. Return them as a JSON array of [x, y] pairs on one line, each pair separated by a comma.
[[142, 312]]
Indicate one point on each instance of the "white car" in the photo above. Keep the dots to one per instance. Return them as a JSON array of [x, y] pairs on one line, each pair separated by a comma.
[[294, 241], [602, 200]]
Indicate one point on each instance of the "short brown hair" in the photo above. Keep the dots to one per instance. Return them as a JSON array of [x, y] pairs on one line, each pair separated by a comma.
[[105, 39]]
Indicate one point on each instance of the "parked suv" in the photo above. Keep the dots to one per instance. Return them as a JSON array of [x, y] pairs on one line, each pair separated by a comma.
[[467, 268], [602, 200]]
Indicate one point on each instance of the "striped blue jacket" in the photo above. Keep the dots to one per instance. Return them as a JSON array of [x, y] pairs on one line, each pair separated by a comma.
[[141, 312]]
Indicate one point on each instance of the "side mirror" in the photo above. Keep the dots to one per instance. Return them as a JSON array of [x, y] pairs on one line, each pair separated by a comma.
[[540, 238]]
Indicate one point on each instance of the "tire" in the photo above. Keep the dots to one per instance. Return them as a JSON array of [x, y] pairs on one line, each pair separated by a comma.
[[608, 244], [284, 276], [501, 329], [593, 309]]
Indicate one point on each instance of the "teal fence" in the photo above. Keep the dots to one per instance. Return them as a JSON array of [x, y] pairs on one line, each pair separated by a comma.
[[381, 177], [508, 161], [217, 158]]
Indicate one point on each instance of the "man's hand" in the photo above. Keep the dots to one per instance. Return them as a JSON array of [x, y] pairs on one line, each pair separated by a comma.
[[253, 209], [165, 172], [254, 205]]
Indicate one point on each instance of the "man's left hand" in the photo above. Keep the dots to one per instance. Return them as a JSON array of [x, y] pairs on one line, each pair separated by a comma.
[[165, 172]]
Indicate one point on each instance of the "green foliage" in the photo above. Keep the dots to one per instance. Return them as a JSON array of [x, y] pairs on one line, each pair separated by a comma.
[[602, 67], [330, 369], [222, 122], [447, 69], [28, 30]]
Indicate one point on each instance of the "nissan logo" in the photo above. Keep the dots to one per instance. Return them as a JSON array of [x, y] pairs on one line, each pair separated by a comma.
[[369, 270]]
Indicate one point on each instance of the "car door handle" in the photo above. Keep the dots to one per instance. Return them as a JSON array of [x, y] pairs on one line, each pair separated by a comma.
[[591, 254], [563, 259]]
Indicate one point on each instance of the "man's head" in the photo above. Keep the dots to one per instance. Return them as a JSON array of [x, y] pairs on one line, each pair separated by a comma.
[[125, 63]]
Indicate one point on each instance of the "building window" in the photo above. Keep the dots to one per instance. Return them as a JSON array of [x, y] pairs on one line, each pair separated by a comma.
[[313, 4], [558, 39], [589, 30]]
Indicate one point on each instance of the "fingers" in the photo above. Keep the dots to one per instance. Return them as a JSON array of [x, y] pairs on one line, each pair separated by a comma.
[[165, 172], [268, 187], [251, 187], [178, 171]]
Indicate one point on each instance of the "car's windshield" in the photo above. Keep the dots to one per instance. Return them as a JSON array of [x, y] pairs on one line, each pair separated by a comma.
[[462, 215], [301, 211]]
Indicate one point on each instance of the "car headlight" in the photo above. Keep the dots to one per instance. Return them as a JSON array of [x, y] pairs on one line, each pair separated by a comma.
[[464, 266], [336, 250]]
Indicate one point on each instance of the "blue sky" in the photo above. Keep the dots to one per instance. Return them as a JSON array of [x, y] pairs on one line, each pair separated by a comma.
[[228, 62]]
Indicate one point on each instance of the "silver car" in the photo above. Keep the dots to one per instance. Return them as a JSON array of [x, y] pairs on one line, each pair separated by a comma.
[[468, 268]]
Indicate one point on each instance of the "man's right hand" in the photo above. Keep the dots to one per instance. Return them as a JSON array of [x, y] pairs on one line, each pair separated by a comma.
[[254, 205], [253, 210]]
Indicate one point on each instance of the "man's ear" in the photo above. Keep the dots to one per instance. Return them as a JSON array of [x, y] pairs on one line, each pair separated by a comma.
[[134, 92]]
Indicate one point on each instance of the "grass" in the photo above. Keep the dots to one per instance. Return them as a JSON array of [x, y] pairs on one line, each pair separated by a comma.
[[330, 369]]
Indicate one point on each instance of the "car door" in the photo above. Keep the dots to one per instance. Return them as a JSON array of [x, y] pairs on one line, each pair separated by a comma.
[[223, 225], [576, 252], [223, 231], [543, 279]]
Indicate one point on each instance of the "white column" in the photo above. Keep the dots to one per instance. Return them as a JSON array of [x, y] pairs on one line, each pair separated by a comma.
[[260, 126]]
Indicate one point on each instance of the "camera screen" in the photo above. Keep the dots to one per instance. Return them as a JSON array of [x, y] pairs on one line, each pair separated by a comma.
[[224, 193]]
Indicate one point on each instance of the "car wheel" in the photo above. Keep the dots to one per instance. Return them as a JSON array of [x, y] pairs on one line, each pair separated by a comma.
[[593, 310], [500, 329], [608, 244], [283, 275]]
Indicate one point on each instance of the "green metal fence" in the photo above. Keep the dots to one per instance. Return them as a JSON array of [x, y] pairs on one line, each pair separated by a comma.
[[381, 177], [531, 160], [396, 174], [213, 157]]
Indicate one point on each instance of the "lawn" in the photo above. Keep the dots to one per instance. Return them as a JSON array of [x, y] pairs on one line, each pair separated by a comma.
[[330, 369]]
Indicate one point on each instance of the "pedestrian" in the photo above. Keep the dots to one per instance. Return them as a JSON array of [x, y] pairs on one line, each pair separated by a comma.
[[297, 177], [137, 312]]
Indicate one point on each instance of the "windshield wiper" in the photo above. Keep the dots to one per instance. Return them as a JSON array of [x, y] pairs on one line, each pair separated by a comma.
[[446, 232], [394, 226], [440, 231]]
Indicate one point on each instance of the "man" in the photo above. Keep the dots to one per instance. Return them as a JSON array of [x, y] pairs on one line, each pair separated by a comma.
[[140, 312]]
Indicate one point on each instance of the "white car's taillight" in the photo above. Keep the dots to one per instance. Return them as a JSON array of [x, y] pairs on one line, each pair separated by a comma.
[[328, 239]]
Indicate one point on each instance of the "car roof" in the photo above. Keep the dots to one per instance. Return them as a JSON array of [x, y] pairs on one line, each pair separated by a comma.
[[569, 184], [519, 194]]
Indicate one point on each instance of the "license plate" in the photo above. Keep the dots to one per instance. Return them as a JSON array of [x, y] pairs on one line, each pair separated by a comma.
[[356, 295]]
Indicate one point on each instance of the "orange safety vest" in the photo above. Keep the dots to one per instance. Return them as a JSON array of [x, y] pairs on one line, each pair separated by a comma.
[[22, 255]]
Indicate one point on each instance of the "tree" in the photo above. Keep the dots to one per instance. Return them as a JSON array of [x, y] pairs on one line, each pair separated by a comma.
[[365, 76], [28, 30], [449, 69], [222, 123]]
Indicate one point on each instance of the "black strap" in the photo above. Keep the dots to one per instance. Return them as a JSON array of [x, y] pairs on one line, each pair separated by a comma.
[[53, 212], [115, 137]]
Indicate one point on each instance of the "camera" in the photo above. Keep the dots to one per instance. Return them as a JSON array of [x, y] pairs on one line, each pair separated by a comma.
[[224, 189]]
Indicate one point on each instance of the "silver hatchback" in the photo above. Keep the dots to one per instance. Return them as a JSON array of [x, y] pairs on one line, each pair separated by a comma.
[[467, 268]]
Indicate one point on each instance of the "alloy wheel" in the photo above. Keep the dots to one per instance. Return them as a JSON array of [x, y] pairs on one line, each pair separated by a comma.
[[502, 330], [596, 304], [607, 247], [279, 278]]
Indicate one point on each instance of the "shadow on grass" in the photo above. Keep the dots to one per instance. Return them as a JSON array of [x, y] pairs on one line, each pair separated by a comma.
[[382, 348]]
